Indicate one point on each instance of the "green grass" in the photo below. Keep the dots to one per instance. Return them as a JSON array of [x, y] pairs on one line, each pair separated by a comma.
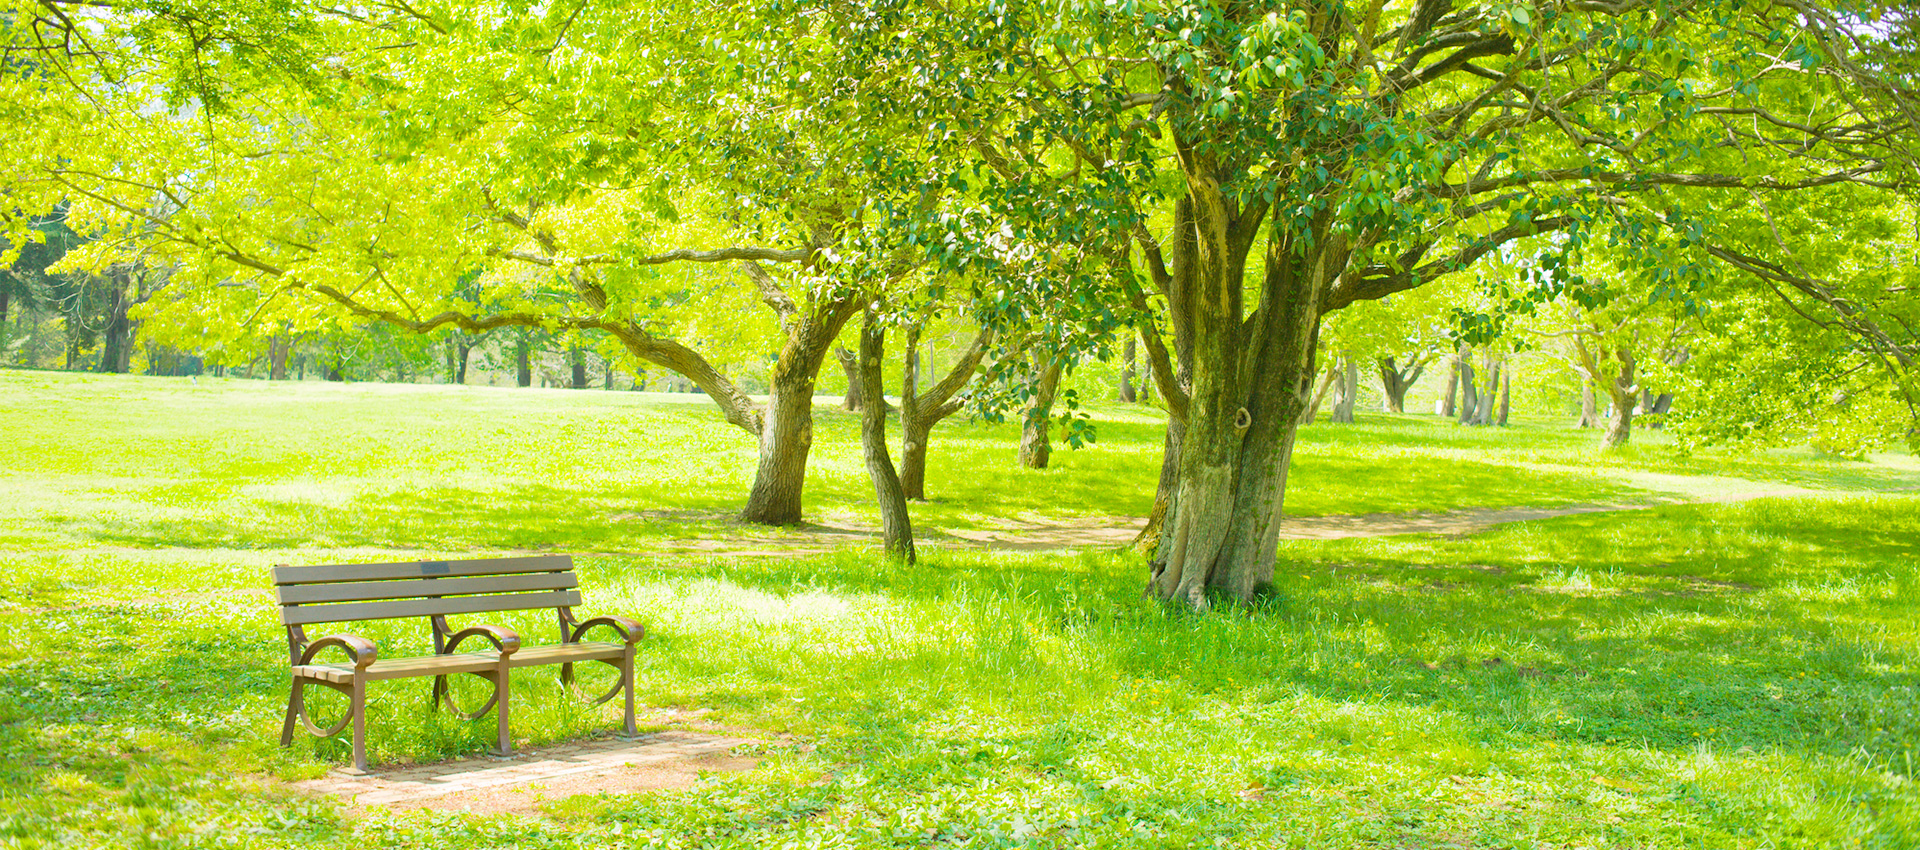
[[1739, 675]]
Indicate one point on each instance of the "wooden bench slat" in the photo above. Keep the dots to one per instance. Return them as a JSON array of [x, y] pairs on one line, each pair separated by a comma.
[[301, 615], [307, 594], [329, 573]]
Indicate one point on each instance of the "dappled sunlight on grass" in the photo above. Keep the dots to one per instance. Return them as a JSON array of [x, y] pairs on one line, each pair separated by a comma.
[[1735, 675]]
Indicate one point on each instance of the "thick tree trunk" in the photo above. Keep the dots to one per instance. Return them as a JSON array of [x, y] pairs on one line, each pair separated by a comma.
[[1482, 412], [277, 350], [1036, 426], [116, 350], [1624, 394], [577, 360], [786, 435], [463, 354], [1395, 381], [1250, 381], [1127, 355], [896, 528], [1589, 406], [523, 362]]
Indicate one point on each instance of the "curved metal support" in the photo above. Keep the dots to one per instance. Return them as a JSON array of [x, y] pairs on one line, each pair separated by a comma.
[[306, 716], [505, 641], [630, 629], [566, 681]]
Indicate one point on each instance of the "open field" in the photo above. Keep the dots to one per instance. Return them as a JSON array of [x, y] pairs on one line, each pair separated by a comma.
[[1719, 675]]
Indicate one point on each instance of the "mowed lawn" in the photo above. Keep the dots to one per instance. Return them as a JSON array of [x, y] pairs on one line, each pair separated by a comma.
[[1729, 675]]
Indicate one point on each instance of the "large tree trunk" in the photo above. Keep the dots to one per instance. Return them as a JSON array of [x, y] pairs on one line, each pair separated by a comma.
[[896, 528], [1589, 406], [116, 349], [1250, 380], [577, 360], [1623, 394], [1448, 398], [1469, 394], [523, 362], [1127, 356], [786, 435], [278, 347], [1036, 426]]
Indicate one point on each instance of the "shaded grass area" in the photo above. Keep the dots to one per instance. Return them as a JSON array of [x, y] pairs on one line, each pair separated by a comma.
[[1693, 676], [149, 462]]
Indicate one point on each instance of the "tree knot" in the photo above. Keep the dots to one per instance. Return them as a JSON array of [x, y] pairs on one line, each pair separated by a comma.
[[1242, 420]]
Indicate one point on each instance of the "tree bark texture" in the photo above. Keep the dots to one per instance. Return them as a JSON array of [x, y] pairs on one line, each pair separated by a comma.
[[786, 435], [1624, 395], [523, 362], [1127, 356], [1448, 398], [1589, 406], [1506, 393], [116, 350], [850, 364], [1469, 394], [896, 528], [1036, 426], [1251, 375]]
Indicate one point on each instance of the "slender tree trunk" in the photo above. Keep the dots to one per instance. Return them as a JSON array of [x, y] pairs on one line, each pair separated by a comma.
[[1469, 395], [1589, 406], [850, 364], [6, 299], [1327, 381], [1453, 386], [1127, 355], [1036, 445], [1506, 392], [1349, 389], [896, 528], [463, 351], [914, 420], [278, 347], [523, 362], [1393, 395]]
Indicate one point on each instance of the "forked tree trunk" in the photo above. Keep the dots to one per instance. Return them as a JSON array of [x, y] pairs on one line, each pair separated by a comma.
[[919, 412], [1395, 381], [1624, 394], [1250, 381], [896, 528], [1036, 426]]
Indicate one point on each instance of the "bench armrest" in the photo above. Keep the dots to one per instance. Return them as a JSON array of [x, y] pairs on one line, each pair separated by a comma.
[[630, 629], [361, 650], [505, 641]]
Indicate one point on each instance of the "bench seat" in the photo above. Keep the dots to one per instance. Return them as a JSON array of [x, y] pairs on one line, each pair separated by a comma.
[[436, 590]]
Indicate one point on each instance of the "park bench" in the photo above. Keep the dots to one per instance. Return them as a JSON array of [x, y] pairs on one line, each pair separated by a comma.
[[436, 590]]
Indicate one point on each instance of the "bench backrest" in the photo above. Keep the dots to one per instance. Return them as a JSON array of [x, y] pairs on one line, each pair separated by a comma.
[[337, 593]]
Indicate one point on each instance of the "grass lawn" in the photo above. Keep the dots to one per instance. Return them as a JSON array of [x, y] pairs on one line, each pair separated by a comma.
[[1728, 675]]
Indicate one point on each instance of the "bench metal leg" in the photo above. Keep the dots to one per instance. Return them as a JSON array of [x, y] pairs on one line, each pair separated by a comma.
[[296, 704], [626, 684], [502, 687], [359, 696]]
